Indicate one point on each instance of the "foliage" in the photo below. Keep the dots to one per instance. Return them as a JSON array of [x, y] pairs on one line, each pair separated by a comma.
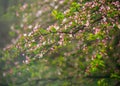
[[81, 49]]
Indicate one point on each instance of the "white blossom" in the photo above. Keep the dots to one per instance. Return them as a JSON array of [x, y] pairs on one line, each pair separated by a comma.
[[24, 34]]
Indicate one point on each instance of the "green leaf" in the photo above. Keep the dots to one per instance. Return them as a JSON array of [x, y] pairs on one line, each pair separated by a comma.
[[58, 15], [74, 7], [99, 56], [43, 31], [53, 29], [115, 76]]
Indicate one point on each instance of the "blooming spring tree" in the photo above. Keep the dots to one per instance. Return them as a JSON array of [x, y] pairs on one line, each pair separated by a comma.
[[83, 45]]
